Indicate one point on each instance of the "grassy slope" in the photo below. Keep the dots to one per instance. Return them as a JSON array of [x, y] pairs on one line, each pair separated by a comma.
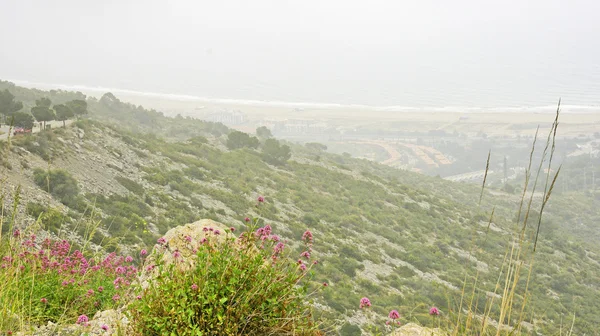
[[397, 237]]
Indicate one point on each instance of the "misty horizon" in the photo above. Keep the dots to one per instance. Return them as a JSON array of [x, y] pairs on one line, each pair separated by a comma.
[[380, 53]]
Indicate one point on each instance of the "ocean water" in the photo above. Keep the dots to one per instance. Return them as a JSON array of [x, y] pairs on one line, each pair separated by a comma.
[[573, 101]]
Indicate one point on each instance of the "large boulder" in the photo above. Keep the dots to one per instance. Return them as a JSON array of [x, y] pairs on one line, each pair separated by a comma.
[[412, 329], [179, 245]]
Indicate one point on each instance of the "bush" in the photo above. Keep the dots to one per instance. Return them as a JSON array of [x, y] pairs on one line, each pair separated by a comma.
[[34, 209], [235, 288], [59, 183], [131, 185], [54, 282], [237, 139], [275, 153], [350, 330]]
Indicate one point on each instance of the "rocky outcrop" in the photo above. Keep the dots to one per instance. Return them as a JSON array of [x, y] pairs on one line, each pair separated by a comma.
[[181, 243]]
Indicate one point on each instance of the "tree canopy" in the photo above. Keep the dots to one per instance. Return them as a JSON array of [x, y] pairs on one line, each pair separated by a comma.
[[237, 139], [22, 119], [8, 105], [276, 153], [78, 106], [63, 112], [42, 111], [263, 132], [43, 102]]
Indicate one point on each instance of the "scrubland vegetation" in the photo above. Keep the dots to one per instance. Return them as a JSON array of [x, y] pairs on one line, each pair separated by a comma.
[[407, 242]]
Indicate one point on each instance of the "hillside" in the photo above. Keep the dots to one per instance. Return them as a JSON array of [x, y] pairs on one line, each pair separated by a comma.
[[401, 238]]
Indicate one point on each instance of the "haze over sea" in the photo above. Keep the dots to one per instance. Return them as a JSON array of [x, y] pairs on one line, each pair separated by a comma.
[[439, 103], [466, 56]]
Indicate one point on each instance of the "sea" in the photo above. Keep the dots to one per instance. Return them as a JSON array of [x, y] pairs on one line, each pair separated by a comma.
[[585, 100]]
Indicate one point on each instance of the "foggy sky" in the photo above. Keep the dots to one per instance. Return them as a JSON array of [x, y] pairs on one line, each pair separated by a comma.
[[461, 52]]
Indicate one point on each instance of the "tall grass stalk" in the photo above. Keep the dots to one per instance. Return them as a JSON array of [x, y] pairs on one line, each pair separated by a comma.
[[518, 258]]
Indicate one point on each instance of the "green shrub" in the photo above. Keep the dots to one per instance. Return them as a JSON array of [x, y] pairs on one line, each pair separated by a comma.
[[45, 144], [235, 288], [34, 209], [131, 185], [237, 139], [350, 330], [59, 183], [275, 153]]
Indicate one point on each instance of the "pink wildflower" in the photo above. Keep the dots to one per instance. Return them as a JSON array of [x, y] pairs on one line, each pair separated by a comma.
[[82, 319], [194, 287], [267, 230], [305, 254], [100, 289], [188, 239], [232, 229], [44, 300], [307, 236], [176, 254], [203, 240], [161, 240], [104, 327], [394, 315], [143, 252], [434, 311], [90, 292], [261, 199], [116, 297], [247, 219], [217, 232], [303, 267], [365, 302], [139, 297], [17, 233], [129, 259], [278, 248]]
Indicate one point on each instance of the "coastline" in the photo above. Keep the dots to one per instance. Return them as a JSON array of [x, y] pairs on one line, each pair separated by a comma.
[[183, 98]]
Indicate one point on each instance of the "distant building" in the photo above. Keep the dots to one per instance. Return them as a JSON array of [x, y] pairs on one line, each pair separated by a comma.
[[295, 126], [227, 117]]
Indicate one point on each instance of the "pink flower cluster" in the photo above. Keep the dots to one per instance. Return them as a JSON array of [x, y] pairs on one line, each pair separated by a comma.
[[264, 234], [54, 259], [307, 237], [82, 319], [365, 303]]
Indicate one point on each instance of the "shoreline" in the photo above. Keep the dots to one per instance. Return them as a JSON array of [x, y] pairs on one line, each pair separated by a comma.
[[179, 99]]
